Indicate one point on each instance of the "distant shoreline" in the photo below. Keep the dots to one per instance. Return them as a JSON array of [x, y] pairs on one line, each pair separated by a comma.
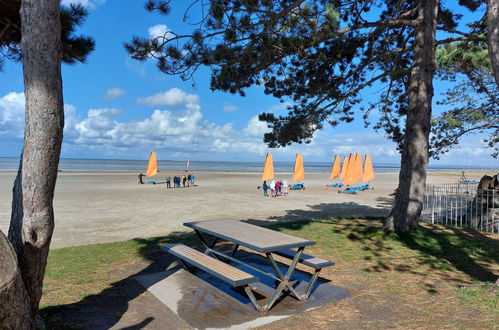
[[74, 164]]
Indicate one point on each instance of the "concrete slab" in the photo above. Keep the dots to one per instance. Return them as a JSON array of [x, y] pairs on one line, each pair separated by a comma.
[[205, 302]]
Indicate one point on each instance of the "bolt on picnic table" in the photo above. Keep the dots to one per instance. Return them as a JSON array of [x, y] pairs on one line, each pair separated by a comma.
[[255, 238]]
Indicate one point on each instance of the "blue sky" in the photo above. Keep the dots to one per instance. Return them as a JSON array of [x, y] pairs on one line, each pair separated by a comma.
[[119, 108]]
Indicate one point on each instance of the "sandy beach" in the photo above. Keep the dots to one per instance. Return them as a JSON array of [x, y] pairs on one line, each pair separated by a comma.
[[106, 206]]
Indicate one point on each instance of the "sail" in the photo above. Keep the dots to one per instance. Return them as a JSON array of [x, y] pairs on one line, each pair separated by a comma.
[[187, 165], [350, 173], [152, 166], [358, 167], [336, 167], [268, 168], [299, 173], [368, 169], [344, 168]]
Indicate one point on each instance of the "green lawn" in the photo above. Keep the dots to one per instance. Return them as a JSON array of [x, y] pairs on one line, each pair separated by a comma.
[[457, 266]]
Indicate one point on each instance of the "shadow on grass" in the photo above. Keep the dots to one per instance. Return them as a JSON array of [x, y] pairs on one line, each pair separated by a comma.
[[105, 309], [439, 248], [464, 250]]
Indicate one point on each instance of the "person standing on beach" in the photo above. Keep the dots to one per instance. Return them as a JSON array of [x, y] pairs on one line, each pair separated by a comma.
[[183, 180], [285, 187], [189, 180], [272, 188], [265, 188], [192, 179], [168, 178], [140, 178]]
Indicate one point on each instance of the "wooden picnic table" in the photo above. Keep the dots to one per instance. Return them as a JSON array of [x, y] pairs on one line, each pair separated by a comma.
[[253, 237], [265, 241]]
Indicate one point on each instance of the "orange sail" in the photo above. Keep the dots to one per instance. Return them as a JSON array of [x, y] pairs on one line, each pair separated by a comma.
[[358, 167], [350, 174], [299, 172], [152, 166], [368, 169], [344, 168], [336, 167], [268, 168]]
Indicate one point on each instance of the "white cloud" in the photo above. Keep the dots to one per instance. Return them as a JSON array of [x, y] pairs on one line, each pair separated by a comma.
[[164, 129], [113, 93], [84, 3], [174, 97], [160, 30], [256, 127], [70, 120], [12, 115], [367, 142], [229, 108]]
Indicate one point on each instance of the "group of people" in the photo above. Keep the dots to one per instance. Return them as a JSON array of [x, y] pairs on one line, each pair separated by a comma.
[[185, 181], [178, 181], [277, 188]]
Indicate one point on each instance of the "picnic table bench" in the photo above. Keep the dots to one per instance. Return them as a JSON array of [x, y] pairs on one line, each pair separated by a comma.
[[259, 239]]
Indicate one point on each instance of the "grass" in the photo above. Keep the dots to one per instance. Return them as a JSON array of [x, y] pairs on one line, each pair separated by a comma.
[[477, 174], [73, 273], [430, 271]]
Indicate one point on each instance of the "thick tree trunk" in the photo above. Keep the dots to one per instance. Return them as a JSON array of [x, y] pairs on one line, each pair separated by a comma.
[[493, 35], [14, 307], [408, 202], [32, 221]]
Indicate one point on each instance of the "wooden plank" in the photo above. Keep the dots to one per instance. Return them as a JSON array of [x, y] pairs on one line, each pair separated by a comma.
[[217, 268], [306, 259], [248, 235]]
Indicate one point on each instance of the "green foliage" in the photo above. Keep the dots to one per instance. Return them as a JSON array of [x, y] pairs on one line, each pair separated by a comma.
[[474, 98], [75, 48], [318, 55]]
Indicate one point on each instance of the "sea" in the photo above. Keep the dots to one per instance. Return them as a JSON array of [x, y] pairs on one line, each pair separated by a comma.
[[169, 165]]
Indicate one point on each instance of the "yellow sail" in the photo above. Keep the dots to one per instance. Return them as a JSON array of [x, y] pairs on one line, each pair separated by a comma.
[[368, 169], [268, 168], [344, 168], [299, 172], [350, 173], [336, 167], [358, 167], [152, 166]]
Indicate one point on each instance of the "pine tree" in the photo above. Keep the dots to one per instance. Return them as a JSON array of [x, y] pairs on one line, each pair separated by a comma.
[[41, 34], [75, 48]]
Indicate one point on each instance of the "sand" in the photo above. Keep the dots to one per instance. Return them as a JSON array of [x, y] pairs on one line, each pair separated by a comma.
[[106, 206]]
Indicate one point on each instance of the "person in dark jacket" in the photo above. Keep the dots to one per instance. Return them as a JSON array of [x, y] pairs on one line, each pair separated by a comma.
[[265, 188]]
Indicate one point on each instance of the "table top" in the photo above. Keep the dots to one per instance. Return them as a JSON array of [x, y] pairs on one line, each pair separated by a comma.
[[254, 237]]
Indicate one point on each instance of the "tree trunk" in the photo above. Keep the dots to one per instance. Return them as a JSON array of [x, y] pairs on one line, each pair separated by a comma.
[[14, 311], [408, 202], [32, 220], [493, 35]]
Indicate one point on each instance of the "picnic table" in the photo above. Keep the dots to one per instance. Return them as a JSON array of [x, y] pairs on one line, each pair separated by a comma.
[[254, 238]]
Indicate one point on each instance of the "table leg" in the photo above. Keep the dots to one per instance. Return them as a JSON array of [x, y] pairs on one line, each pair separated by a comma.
[[234, 250], [277, 270], [284, 283], [208, 247], [314, 278]]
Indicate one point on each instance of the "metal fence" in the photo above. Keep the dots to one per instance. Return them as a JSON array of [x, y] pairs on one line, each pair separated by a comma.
[[462, 205]]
